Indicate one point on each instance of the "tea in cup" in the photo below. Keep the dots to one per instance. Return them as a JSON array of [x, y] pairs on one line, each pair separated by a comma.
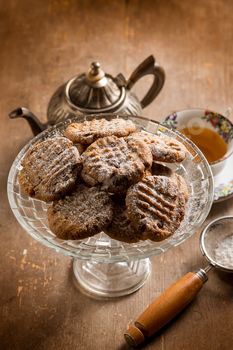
[[211, 132]]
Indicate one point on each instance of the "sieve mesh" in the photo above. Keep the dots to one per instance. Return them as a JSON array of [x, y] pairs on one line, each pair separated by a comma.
[[217, 243]]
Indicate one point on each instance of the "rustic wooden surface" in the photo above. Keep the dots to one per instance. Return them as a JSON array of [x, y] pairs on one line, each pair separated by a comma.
[[45, 43]]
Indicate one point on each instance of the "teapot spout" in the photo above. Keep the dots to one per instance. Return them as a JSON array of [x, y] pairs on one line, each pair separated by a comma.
[[33, 121]]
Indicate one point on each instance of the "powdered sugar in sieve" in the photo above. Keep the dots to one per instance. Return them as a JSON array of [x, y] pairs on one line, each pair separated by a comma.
[[224, 252]]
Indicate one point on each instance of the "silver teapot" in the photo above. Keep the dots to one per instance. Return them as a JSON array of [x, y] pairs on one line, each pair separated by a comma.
[[97, 92]]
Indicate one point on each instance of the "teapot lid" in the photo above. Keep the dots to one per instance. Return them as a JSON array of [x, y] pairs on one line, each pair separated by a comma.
[[96, 90]]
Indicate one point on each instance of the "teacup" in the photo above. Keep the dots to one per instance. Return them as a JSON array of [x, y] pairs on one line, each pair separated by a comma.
[[210, 131]]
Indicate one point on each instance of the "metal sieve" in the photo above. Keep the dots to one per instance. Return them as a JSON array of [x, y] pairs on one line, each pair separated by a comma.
[[216, 244]]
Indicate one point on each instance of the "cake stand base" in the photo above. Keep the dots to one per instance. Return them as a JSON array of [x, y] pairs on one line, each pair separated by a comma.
[[112, 279]]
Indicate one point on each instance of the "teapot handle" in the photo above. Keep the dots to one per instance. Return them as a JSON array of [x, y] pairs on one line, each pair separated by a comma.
[[149, 66]]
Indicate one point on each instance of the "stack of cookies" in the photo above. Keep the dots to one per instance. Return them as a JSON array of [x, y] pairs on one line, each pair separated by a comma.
[[102, 176]]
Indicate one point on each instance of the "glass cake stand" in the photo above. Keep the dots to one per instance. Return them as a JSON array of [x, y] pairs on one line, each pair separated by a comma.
[[103, 265]]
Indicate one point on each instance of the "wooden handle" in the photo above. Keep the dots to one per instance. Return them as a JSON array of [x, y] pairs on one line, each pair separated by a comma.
[[165, 307]]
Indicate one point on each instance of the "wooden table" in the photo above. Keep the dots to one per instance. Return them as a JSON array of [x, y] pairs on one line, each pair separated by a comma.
[[45, 43]]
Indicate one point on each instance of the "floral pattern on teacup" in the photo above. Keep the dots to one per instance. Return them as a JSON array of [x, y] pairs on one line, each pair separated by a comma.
[[171, 121], [223, 126]]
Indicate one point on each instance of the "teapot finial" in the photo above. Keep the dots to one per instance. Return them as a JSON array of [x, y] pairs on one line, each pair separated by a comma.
[[96, 75], [95, 66]]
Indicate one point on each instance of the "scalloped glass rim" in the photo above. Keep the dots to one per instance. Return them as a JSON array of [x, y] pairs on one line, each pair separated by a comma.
[[32, 216]]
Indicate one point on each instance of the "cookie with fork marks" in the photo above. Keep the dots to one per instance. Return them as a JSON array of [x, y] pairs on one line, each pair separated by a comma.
[[89, 131], [164, 149], [82, 213], [117, 162], [50, 169], [156, 207]]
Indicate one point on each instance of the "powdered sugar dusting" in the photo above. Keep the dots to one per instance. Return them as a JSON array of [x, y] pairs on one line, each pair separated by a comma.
[[50, 169], [224, 252], [163, 149], [117, 161], [154, 208], [83, 213], [89, 131]]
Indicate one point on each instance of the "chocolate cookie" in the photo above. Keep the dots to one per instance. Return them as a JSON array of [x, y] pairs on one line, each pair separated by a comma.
[[117, 162], [89, 131], [50, 169], [155, 206], [162, 170], [165, 148], [82, 213], [121, 228]]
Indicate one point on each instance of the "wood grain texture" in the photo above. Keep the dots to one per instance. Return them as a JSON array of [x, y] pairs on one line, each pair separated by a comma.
[[43, 45]]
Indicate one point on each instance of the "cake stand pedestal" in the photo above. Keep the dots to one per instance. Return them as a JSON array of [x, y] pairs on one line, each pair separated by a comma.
[[112, 279]]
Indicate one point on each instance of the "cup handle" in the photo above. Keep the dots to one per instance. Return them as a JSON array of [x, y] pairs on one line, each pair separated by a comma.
[[149, 66]]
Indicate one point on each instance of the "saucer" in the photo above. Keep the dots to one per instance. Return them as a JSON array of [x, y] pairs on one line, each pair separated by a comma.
[[223, 182]]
